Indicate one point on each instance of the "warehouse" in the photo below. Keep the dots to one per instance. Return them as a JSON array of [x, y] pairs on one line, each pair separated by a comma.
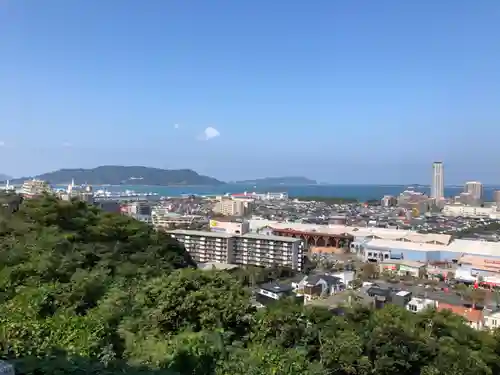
[[383, 250]]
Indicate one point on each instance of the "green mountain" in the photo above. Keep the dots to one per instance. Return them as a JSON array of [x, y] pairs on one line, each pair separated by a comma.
[[271, 181], [116, 175]]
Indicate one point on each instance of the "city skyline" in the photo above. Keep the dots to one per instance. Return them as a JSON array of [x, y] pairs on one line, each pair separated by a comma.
[[334, 91]]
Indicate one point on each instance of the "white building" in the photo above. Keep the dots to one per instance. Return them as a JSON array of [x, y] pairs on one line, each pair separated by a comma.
[[437, 187], [492, 320], [419, 304], [469, 211]]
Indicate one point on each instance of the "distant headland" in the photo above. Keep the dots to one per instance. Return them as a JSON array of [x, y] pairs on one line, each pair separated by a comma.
[[126, 175]]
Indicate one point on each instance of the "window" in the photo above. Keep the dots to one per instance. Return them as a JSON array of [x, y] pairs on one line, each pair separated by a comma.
[[494, 322]]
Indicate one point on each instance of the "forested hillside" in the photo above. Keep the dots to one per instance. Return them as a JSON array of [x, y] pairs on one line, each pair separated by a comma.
[[84, 292]]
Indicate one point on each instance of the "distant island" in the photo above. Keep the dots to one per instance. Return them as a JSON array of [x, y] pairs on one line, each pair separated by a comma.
[[271, 181], [122, 175], [4, 177]]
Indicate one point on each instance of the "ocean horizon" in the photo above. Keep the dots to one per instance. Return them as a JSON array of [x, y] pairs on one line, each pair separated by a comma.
[[359, 192]]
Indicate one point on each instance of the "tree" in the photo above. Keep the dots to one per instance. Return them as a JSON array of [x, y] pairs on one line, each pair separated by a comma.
[[369, 271], [84, 292]]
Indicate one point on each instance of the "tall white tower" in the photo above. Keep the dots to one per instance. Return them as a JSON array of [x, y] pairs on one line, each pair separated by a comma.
[[437, 188]]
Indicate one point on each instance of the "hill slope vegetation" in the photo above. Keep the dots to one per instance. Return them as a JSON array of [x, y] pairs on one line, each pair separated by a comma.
[[84, 292], [116, 175]]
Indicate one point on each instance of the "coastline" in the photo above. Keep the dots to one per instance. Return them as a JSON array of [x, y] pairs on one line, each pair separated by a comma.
[[362, 193]]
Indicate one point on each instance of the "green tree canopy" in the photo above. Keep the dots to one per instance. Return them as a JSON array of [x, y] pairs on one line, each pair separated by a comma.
[[85, 292]]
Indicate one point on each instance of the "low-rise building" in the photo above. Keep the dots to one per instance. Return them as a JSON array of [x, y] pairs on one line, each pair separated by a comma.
[[420, 304], [492, 320], [401, 298], [403, 267], [319, 286], [469, 211], [430, 252], [473, 317], [272, 292]]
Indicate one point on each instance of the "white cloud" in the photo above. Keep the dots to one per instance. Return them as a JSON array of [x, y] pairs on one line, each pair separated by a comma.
[[210, 133], [2, 143], [176, 126], [66, 144]]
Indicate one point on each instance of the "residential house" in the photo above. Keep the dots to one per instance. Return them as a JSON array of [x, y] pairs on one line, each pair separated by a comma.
[[380, 295], [403, 267], [272, 292], [492, 319], [473, 317], [420, 304], [401, 298], [346, 277], [319, 286]]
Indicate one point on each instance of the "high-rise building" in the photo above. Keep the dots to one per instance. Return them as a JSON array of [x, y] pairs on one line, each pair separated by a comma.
[[437, 188], [475, 189], [496, 198]]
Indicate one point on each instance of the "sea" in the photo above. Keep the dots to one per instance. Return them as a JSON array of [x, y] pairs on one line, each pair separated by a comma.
[[359, 192]]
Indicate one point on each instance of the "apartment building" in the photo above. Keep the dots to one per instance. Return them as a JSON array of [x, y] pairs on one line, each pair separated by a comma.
[[233, 206], [34, 188], [244, 249]]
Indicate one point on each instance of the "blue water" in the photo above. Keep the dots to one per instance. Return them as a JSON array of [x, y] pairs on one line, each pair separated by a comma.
[[360, 192]]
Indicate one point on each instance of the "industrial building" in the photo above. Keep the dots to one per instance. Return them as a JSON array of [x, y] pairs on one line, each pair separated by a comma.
[[382, 250], [383, 244]]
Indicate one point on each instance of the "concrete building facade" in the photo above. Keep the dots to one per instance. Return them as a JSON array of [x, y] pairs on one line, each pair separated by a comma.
[[437, 186], [469, 211], [243, 249], [475, 189], [228, 206], [380, 250]]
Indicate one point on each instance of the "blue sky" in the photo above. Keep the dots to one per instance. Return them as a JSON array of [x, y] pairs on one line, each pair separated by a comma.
[[341, 91]]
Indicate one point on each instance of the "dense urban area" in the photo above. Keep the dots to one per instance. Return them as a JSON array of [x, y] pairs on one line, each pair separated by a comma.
[[99, 282]]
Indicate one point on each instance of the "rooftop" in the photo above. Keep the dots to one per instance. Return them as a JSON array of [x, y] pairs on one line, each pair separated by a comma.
[[472, 315], [401, 262], [200, 233], [472, 247], [216, 266], [276, 287], [376, 233], [254, 236]]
